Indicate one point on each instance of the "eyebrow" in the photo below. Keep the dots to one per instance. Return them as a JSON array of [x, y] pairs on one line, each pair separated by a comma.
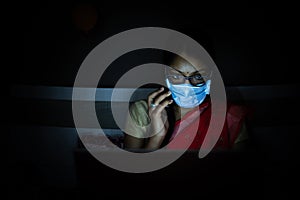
[[193, 73]]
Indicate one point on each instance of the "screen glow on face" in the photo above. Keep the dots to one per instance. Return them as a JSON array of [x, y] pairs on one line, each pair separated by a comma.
[[178, 77]]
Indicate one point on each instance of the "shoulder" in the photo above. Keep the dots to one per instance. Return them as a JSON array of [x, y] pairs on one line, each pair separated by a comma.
[[237, 110], [139, 112], [236, 115], [236, 118]]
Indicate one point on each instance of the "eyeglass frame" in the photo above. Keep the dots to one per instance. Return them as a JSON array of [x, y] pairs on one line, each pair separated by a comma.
[[189, 77]]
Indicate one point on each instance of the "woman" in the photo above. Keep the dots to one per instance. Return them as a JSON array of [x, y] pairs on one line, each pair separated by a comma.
[[155, 121]]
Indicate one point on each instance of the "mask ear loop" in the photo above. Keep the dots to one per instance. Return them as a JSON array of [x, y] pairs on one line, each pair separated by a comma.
[[208, 77], [208, 82], [166, 71], [166, 77]]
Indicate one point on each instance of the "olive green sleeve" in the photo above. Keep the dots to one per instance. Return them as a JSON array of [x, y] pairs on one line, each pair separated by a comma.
[[137, 119]]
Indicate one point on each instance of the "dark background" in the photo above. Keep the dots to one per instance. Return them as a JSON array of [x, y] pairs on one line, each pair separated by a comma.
[[251, 42], [252, 45]]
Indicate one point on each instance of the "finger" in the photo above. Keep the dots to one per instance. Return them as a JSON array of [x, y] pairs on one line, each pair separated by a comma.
[[153, 95], [162, 97], [162, 106]]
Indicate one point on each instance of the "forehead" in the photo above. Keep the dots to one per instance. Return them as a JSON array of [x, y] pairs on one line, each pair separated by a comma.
[[185, 67]]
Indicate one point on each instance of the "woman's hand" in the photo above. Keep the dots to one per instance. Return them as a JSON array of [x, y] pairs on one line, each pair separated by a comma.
[[157, 103]]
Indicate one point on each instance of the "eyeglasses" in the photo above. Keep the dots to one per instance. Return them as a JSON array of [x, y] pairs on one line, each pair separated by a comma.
[[195, 80]]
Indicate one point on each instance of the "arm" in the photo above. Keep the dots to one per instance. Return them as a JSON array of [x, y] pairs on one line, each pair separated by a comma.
[[156, 128], [131, 142], [154, 142]]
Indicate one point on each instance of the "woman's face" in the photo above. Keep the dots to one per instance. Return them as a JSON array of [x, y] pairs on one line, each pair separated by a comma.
[[186, 83], [181, 67]]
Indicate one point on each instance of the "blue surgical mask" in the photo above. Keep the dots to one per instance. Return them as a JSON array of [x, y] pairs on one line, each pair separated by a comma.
[[187, 95]]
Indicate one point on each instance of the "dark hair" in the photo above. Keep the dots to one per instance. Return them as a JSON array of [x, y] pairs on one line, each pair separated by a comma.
[[200, 36]]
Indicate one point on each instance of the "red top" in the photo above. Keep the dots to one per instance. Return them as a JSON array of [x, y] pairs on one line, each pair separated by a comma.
[[195, 125]]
